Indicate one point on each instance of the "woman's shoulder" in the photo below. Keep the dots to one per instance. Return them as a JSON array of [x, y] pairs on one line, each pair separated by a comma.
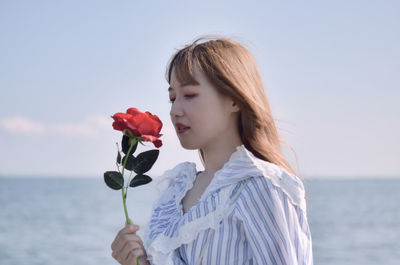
[[276, 184], [267, 176], [182, 172]]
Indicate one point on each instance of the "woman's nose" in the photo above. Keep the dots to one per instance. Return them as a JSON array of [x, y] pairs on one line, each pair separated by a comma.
[[176, 109]]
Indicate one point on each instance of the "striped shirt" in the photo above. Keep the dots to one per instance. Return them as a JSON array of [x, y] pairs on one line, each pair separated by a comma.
[[262, 222]]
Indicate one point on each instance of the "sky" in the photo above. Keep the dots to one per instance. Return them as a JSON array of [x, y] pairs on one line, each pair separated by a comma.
[[330, 70]]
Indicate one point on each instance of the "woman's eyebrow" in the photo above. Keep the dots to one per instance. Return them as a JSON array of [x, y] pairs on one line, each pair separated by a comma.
[[182, 86]]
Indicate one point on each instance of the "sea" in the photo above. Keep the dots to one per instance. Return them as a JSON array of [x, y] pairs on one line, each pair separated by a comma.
[[43, 221]]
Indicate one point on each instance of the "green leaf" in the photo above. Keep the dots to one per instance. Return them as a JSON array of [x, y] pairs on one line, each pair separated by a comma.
[[139, 180], [119, 158], [126, 141], [129, 163], [144, 161], [114, 180]]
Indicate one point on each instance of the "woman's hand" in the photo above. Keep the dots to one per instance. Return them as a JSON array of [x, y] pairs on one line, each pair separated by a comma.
[[127, 247]]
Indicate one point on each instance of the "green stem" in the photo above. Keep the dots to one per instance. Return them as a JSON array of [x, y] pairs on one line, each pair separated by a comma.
[[129, 181], [132, 143], [125, 210]]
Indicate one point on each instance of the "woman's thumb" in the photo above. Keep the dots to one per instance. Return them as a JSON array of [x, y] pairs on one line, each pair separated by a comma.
[[129, 221]]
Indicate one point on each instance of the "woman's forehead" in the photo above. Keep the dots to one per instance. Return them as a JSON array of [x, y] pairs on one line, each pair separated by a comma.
[[187, 83], [186, 75], [174, 88]]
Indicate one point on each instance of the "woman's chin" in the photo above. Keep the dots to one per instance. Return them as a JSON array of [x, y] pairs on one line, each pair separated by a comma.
[[188, 146]]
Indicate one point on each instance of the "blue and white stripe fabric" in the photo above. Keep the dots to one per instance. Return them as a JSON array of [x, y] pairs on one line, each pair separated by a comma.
[[265, 224]]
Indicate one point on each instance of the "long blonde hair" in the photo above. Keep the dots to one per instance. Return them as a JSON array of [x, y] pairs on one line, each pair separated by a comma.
[[232, 70]]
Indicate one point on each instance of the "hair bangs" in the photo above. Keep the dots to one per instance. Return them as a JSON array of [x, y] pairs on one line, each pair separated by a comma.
[[183, 64]]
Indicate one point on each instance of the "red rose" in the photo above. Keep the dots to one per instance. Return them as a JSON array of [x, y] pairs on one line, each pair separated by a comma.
[[144, 125]]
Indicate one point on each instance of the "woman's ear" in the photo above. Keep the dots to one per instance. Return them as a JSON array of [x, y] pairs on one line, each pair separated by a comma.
[[235, 107]]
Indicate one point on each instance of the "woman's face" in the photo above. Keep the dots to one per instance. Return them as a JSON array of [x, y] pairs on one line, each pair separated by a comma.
[[209, 115]]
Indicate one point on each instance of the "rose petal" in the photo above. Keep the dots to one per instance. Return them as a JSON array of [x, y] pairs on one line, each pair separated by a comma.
[[133, 111], [144, 124], [150, 138], [157, 143], [157, 120], [120, 121]]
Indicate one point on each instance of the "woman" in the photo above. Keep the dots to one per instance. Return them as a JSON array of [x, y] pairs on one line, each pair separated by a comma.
[[247, 206]]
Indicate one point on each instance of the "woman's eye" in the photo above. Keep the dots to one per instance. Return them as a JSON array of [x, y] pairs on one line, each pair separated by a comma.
[[187, 96]]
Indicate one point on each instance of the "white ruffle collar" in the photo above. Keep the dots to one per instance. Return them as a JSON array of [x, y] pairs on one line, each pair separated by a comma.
[[169, 227]]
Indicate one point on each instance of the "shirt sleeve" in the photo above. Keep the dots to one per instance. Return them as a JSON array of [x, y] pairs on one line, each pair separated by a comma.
[[276, 230]]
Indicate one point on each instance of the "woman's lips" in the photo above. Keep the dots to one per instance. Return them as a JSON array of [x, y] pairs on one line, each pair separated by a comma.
[[183, 130]]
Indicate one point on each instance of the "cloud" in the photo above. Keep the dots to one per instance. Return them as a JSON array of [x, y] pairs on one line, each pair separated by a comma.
[[99, 121], [90, 127], [72, 129], [22, 125]]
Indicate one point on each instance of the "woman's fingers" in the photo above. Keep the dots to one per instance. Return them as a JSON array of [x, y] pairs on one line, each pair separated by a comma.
[[128, 229], [127, 245], [124, 240], [134, 254], [129, 252], [131, 247], [129, 238], [124, 244]]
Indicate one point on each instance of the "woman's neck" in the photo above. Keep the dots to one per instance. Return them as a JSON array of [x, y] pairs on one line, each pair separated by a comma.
[[216, 156]]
